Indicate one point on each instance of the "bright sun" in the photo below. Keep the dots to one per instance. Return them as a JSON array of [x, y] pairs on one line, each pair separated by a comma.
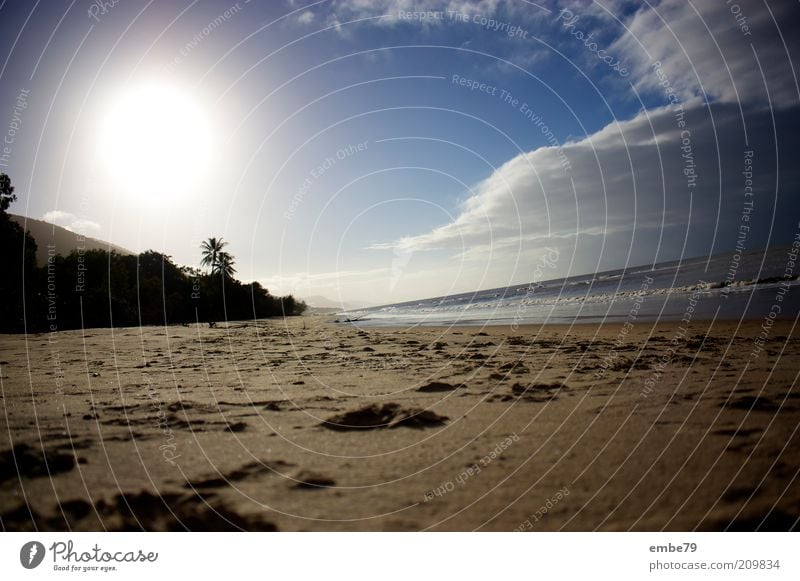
[[156, 139]]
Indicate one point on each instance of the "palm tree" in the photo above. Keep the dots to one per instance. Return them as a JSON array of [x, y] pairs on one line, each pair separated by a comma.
[[219, 261], [6, 193], [225, 264], [212, 249]]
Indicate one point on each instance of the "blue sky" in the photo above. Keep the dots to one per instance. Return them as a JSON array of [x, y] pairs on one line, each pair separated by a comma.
[[355, 150]]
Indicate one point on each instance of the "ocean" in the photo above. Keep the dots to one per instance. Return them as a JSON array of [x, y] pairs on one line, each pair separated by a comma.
[[754, 285]]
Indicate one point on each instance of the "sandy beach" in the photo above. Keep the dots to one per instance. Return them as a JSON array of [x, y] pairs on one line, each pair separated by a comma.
[[307, 425]]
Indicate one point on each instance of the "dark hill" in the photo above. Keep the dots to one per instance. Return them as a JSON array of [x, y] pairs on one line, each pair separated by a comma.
[[65, 241]]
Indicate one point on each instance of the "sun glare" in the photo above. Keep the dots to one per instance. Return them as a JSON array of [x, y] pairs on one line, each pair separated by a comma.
[[156, 139]]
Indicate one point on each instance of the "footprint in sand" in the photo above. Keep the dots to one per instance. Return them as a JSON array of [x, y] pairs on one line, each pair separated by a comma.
[[26, 462], [174, 512], [253, 469], [388, 415], [236, 427], [308, 480], [536, 392], [437, 386], [752, 403]]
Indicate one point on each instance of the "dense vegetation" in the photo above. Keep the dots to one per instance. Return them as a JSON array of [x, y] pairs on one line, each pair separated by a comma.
[[95, 288]]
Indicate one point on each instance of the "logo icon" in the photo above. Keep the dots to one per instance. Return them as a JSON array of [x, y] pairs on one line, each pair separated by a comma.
[[31, 554]]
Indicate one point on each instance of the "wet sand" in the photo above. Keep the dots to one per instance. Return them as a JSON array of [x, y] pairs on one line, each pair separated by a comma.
[[308, 425]]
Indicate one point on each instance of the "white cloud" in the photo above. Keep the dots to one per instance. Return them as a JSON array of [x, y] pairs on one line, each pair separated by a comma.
[[624, 195], [305, 282], [306, 17], [365, 8], [722, 51], [628, 177], [625, 191], [705, 52], [71, 222], [390, 12]]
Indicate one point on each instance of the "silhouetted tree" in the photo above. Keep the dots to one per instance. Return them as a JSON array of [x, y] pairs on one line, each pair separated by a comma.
[[212, 249], [225, 264], [95, 288], [19, 273], [6, 192]]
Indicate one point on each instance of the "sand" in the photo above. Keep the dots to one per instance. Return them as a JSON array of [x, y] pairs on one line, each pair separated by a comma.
[[308, 425]]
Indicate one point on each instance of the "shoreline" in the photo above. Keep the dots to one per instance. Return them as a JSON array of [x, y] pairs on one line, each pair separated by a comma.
[[470, 326], [528, 327], [524, 326]]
